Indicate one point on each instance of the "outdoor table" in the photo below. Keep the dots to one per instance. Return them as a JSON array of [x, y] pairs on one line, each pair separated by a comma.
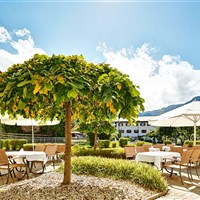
[[29, 156], [156, 157]]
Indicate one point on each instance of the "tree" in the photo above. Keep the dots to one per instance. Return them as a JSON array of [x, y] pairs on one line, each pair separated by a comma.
[[61, 87], [97, 128]]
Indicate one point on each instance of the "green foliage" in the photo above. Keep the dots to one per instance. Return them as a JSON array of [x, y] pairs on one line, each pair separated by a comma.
[[104, 143], [5, 144], [198, 142], [28, 147], [114, 144], [139, 173], [189, 142], [139, 143], [51, 87], [90, 139], [13, 144], [167, 142], [107, 153], [123, 141]]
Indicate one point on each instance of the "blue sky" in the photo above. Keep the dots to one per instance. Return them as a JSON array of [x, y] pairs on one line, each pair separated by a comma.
[[156, 43]]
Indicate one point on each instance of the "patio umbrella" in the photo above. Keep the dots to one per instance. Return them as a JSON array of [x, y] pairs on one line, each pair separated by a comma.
[[32, 122], [21, 121], [183, 116]]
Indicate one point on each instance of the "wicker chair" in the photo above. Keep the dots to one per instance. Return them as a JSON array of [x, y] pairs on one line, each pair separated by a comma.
[[50, 150], [179, 165], [60, 151], [194, 161], [129, 152], [39, 147], [10, 165]]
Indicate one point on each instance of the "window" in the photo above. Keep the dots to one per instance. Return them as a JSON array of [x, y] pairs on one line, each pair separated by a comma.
[[128, 131], [142, 123], [144, 131], [121, 131], [136, 131]]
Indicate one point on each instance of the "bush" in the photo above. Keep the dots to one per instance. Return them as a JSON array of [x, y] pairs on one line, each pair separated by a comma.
[[167, 142], [123, 142], [4, 144], [90, 139], [139, 173], [139, 143], [104, 143], [114, 144], [13, 144], [198, 142], [28, 147], [107, 153], [189, 142]]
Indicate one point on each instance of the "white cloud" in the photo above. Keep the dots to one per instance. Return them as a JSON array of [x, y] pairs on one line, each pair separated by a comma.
[[4, 35], [25, 47], [163, 82]]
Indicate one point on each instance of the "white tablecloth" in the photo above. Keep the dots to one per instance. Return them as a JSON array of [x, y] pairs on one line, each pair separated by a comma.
[[28, 155], [156, 157]]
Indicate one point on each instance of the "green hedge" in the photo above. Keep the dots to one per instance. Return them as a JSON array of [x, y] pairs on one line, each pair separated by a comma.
[[13, 144], [104, 143], [198, 142], [28, 147], [139, 173], [167, 142], [189, 142], [107, 153], [123, 142]]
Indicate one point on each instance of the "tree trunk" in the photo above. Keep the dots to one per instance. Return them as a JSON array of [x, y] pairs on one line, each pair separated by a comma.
[[67, 164], [95, 139]]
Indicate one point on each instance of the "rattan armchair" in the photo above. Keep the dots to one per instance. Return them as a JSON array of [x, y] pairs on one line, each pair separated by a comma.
[[10, 166]]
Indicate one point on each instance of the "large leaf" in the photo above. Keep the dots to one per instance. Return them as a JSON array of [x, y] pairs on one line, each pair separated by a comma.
[[21, 105], [23, 83], [72, 93]]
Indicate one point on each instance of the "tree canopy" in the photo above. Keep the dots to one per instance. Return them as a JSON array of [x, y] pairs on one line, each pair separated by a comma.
[[67, 88]]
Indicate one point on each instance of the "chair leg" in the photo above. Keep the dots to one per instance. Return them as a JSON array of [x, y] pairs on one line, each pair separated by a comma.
[[189, 172], [181, 177], [8, 175], [172, 169], [197, 169]]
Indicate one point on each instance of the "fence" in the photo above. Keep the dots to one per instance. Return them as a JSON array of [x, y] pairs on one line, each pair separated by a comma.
[[40, 139]]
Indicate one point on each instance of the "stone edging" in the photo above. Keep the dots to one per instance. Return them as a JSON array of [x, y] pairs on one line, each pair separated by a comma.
[[155, 196]]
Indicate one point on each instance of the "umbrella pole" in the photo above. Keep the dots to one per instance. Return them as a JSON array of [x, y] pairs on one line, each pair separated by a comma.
[[33, 137], [195, 133]]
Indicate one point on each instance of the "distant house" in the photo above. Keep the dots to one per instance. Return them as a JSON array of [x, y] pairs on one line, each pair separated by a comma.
[[141, 128]]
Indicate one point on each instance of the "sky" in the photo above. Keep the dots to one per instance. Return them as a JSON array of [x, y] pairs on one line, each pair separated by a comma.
[[156, 43]]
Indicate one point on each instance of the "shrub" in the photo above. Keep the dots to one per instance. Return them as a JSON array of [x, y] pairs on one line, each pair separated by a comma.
[[139, 143], [189, 142], [114, 144], [107, 153], [90, 139], [198, 142], [139, 173], [28, 147], [123, 142], [4, 144], [13, 144], [167, 142], [104, 143]]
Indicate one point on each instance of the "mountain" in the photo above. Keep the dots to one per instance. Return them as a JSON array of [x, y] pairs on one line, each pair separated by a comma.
[[166, 109]]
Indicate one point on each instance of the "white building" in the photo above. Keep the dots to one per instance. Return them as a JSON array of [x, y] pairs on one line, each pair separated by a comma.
[[141, 128]]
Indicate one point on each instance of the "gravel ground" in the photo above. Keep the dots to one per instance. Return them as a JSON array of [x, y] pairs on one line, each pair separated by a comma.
[[48, 187]]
